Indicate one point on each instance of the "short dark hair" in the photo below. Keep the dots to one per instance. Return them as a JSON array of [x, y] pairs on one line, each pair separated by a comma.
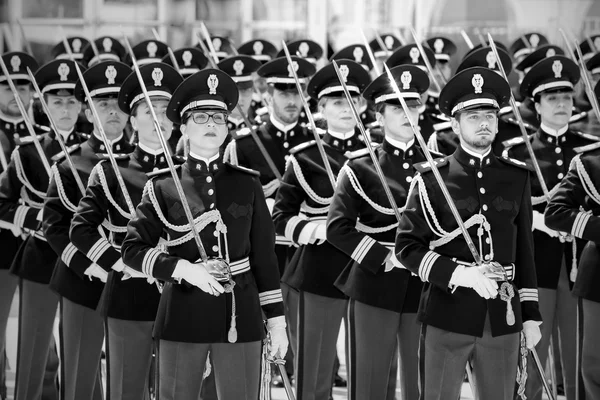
[[538, 96], [380, 107]]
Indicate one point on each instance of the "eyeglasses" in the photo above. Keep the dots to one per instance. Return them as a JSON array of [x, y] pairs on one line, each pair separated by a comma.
[[219, 118]]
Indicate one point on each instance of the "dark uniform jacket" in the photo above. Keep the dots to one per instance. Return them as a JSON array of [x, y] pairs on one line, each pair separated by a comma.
[[302, 202], [11, 133], [575, 208], [63, 195], [22, 191], [229, 207], [131, 299], [554, 154], [362, 224], [493, 198]]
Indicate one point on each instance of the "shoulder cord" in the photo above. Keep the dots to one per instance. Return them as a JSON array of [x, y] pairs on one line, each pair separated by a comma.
[[436, 228], [270, 188], [230, 153], [23, 178], [370, 230], [61, 190], [104, 183], [360, 191], [536, 200], [432, 142], [315, 197], [586, 181]]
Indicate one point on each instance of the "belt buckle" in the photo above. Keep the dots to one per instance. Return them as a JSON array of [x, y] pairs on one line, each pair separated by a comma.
[[495, 271]]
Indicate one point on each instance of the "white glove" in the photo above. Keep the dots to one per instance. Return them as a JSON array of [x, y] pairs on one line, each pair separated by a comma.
[[197, 275], [393, 262], [96, 271], [270, 204], [16, 231], [473, 277], [278, 344], [531, 330], [540, 225], [119, 266], [320, 234]]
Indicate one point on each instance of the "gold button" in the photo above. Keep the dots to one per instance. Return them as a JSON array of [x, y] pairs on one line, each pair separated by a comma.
[[215, 248], [487, 240], [480, 174], [216, 233], [209, 179], [558, 150], [560, 176], [482, 190], [405, 165], [485, 207], [286, 145], [487, 257], [559, 162], [212, 205], [210, 192], [409, 179]]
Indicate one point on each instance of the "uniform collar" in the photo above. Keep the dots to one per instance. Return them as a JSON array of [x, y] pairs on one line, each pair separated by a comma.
[[149, 158], [236, 122], [341, 136], [554, 132], [341, 142], [12, 120], [281, 127], [551, 136], [473, 159], [69, 137], [197, 163], [399, 148], [98, 145]]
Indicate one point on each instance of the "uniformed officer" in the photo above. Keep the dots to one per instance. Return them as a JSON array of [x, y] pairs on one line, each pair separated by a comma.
[[468, 314], [22, 191], [263, 51], [550, 83], [148, 51], [574, 209], [76, 277], [12, 127], [390, 42], [584, 118], [189, 59], [444, 50], [77, 45], [222, 45], [237, 234], [109, 49], [131, 303], [526, 44], [590, 46], [383, 298], [307, 49], [299, 213]]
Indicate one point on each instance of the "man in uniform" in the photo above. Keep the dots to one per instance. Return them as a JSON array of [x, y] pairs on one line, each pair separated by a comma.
[[472, 313], [109, 49], [236, 231], [550, 83], [299, 213], [76, 277], [131, 304], [574, 208], [222, 45], [383, 298], [526, 44], [12, 127], [390, 42], [22, 190], [189, 60]]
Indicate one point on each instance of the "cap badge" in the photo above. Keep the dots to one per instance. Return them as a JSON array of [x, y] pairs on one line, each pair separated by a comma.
[[15, 63], [477, 83], [295, 66], [406, 79], [358, 54], [534, 40], [110, 74], [344, 71], [258, 47], [187, 58], [491, 60], [597, 43], [438, 45], [389, 42], [157, 75], [550, 53], [212, 83], [107, 45], [557, 68], [414, 55], [63, 71], [217, 43], [152, 48], [304, 48], [238, 67], [76, 45]]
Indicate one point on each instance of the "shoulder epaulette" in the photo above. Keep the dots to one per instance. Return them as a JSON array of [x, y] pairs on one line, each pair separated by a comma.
[[241, 133], [320, 131], [351, 155], [372, 125], [41, 128], [303, 146], [425, 166], [587, 136], [586, 148], [578, 117], [25, 140], [83, 135], [243, 169], [515, 141], [117, 156], [71, 149], [442, 126], [527, 126], [262, 111], [161, 171], [436, 154], [515, 162], [505, 110]]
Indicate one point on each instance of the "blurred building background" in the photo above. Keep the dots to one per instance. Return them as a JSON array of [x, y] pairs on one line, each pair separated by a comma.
[[329, 22]]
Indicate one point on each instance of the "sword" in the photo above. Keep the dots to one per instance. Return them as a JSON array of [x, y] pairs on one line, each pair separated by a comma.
[[515, 108], [261, 147], [466, 38], [526, 41], [27, 44], [480, 36], [310, 116], [169, 51], [378, 169], [380, 43], [370, 53], [540, 370], [23, 111], [426, 59]]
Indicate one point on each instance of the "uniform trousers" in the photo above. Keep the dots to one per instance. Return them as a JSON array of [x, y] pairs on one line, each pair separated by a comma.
[[37, 361], [443, 356], [557, 307], [590, 361], [82, 334], [373, 336], [236, 369], [8, 286], [130, 355], [319, 321]]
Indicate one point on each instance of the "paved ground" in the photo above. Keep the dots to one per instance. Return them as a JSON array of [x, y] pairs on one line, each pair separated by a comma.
[[277, 394]]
